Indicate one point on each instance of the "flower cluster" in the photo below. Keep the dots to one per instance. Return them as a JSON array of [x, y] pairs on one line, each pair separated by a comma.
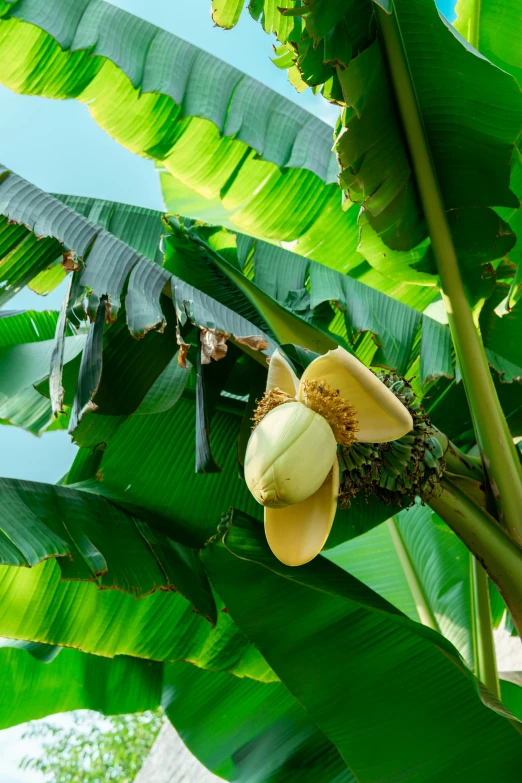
[[291, 464]]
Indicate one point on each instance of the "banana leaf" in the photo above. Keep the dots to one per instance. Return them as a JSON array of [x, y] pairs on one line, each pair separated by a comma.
[[397, 694], [248, 731], [96, 541], [418, 564], [164, 98], [38, 606], [65, 680], [470, 109]]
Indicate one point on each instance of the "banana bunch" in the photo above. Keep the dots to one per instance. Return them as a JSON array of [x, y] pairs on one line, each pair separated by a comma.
[[398, 471]]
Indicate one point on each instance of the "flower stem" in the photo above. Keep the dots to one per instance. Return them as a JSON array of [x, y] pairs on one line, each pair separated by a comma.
[[483, 643], [493, 436], [490, 544]]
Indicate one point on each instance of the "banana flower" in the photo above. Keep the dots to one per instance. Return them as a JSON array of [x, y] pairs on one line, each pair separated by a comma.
[[291, 463]]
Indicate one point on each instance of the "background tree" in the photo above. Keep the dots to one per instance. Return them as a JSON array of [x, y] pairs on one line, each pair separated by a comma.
[[91, 750]]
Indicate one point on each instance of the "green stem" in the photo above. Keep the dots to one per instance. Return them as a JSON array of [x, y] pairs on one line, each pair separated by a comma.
[[474, 25], [421, 602], [483, 643], [493, 436], [490, 544], [457, 461], [463, 464]]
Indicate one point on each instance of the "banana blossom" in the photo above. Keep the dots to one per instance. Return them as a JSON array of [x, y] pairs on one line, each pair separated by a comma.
[[291, 464]]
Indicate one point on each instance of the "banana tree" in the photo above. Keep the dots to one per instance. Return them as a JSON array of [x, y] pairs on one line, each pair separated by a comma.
[[145, 576]]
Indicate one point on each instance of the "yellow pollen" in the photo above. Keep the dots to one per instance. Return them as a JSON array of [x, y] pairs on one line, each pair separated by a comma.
[[322, 399], [339, 414], [270, 400]]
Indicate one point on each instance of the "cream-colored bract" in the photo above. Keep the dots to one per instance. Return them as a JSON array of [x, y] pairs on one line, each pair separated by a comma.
[[291, 465], [289, 455], [381, 417], [281, 376], [296, 534]]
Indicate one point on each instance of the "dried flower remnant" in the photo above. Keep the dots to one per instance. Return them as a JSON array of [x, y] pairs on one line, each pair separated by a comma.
[[213, 345], [182, 354], [70, 261]]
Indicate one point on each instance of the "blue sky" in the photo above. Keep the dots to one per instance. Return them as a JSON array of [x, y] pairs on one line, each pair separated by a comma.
[[57, 146]]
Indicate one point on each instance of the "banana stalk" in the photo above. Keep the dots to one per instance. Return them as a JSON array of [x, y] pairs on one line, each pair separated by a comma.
[[483, 536]]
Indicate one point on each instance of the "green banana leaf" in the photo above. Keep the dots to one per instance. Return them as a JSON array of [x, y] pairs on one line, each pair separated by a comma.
[[136, 226], [30, 255], [324, 248], [246, 731], [96, 541], [211, 112], [165, 98], [112, 263], [502, 338], [249, 732], [208, 259], [418, 564], [304, 286], [242, 730], [98, 559], [126, 371], [38, 606], [26, 346], [489, 25], [70, 680], [387, 705], [472, 229], [194, 260], [510, 685], [514, 217], [124, 384], [448, 409], [109, 266], [208, 278], [226, 13], [471, 111], [296, 317], [27, 326]]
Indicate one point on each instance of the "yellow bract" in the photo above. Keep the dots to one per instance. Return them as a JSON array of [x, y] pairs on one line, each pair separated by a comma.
[[291, 464], [296, 534], [381, 417]]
